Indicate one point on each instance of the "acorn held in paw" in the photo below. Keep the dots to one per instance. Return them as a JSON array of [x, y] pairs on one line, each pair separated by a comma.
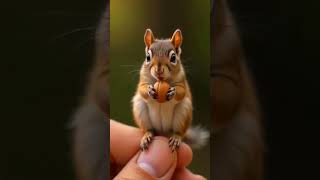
[[162, 88]]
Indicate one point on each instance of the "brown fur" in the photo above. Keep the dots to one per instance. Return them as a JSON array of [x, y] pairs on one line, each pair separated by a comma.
[[180, 106], [143, 89]]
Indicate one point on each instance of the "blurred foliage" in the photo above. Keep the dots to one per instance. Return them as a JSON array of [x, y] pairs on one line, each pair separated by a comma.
[[128, 22]]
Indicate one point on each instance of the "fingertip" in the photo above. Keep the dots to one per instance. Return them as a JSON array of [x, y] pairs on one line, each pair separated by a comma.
[[158, 159], [124, 141], [184, 155]]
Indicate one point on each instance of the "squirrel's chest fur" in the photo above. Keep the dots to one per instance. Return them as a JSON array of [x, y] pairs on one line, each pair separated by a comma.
[[161, 115], [156, 116]]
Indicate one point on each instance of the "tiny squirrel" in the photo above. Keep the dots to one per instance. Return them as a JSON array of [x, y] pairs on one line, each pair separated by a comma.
[[173, 117]]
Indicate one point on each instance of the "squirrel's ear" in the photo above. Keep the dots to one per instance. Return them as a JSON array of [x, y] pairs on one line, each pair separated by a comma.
[[148, 38], [177, 38]]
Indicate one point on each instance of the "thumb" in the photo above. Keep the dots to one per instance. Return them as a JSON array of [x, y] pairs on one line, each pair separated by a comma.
[[158, 162]]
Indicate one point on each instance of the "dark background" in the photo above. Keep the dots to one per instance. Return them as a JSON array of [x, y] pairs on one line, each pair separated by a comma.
[[43, 74], [280, 38], [42, 77]]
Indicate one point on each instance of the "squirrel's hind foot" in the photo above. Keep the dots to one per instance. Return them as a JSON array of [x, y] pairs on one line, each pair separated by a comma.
[[146, 140], [174, 142]]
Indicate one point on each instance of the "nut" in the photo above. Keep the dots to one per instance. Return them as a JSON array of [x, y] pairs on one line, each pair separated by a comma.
[[162, 88]]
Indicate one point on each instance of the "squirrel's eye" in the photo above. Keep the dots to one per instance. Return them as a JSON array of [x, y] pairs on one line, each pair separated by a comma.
[[173, 58], [148, 56]]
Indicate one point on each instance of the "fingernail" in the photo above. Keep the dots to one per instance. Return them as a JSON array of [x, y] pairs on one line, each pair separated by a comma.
[[158, 159]]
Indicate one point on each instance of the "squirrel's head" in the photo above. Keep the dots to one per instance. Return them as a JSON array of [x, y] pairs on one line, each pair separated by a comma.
[[163, 56]]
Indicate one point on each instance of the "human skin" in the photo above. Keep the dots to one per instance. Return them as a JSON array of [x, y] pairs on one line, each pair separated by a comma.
[[125, 152]]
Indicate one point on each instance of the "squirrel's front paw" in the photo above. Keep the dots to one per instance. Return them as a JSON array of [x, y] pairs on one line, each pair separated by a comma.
[[152, 92], [171, 93]]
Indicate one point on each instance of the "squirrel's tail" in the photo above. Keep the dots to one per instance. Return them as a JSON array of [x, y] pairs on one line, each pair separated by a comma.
[[197, 137]]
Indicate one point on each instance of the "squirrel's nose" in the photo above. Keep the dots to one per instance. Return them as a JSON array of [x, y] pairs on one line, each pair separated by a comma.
[[160, 70]]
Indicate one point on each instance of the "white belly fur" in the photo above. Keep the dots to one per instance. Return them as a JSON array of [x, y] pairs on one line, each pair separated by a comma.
[[161, 115]]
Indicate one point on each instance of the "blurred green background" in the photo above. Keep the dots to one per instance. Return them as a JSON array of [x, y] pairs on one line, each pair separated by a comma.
[[129, 20]]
